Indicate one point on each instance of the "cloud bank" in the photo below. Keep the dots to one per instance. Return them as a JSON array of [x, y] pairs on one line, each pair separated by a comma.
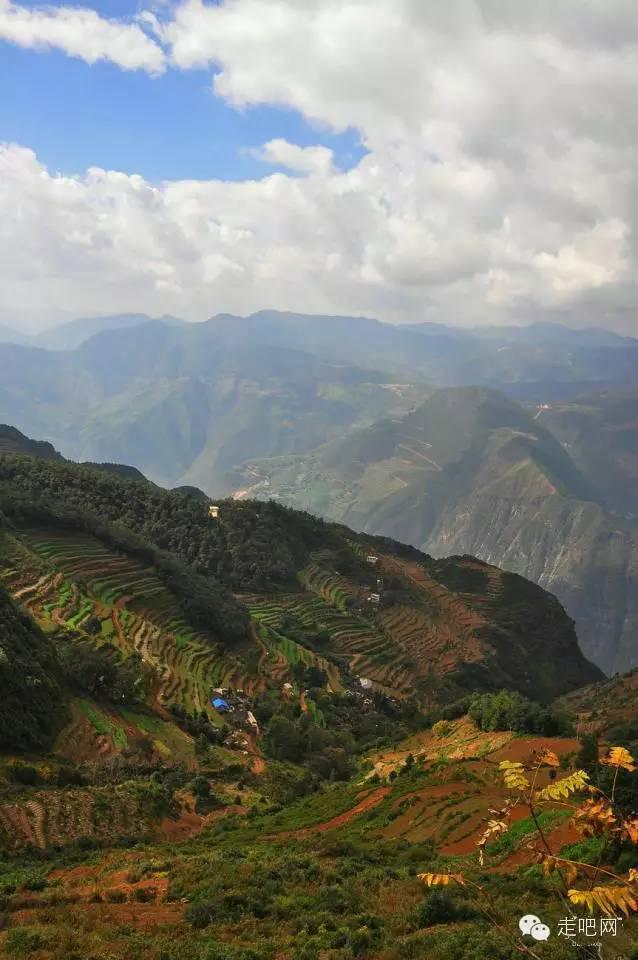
[[500, 182], [82, 33]]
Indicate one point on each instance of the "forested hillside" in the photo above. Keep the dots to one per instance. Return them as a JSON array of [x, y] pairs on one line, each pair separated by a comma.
[[32, 706], [434, 632], [258, 545]]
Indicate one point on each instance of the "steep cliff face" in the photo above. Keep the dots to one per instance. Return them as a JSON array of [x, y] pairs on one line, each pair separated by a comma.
[[571, 547], [472, 472], [600, 431]]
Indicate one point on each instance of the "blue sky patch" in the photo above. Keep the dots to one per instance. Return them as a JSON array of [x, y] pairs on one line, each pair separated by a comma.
[[172, 127]]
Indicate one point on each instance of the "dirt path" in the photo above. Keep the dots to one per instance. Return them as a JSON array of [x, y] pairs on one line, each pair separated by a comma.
[[259, 764], [190, 824], [370, 801], [119, 605]]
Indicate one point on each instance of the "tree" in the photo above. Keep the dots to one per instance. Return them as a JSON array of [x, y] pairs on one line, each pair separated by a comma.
[[283, 739], [201, 788], [409, 763]]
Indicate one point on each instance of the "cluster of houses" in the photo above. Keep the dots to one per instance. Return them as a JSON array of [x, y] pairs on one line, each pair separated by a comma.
[[236, 704]]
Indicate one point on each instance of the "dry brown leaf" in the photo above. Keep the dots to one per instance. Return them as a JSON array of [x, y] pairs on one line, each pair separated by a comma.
[[619, 757]]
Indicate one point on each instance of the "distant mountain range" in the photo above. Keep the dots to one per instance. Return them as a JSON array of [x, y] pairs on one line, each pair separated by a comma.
[[549, 494], [185, 403], [546, 360], [350, 410], [68, 336]]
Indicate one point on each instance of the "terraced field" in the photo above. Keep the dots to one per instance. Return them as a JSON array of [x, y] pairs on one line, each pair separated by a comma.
[[400, 644], [54, 817], [365, 650], [331, 587], [441, 633], [452, 808], [75, 581], [279, 652], [405, 644]]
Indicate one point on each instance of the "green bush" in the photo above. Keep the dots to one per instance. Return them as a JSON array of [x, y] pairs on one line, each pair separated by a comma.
[[24, 774], [442, 907], [508, 710], [145, 894], [115, 896]]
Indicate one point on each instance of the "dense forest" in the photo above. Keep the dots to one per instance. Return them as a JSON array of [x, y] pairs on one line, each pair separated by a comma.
[[32, 707], [253, 545]]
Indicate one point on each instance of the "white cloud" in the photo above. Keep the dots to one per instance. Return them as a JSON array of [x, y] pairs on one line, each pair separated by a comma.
[[500, 183], [82, 33], [309, 160]]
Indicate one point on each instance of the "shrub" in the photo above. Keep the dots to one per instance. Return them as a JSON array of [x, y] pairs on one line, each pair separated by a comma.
[[24, 774], [23, 941], [201, 788], [361, 941], [508, 710], [35, 883], [442, 907], [201, 914], [115, 896], [441, 728], [145, 894]]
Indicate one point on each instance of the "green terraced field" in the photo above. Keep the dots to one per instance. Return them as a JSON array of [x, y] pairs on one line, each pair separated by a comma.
[[69, 579], [76, 581], [365, 649]]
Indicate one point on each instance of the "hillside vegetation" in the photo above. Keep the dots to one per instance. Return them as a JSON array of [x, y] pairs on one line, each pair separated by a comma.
[[32, 708], [290, 821], [458, 619], [472, 472]]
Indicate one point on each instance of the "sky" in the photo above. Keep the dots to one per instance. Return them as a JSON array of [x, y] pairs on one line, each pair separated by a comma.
[[473, 161]]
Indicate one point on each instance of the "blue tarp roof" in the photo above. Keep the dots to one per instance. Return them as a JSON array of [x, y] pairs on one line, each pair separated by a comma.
[[219, 704]]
